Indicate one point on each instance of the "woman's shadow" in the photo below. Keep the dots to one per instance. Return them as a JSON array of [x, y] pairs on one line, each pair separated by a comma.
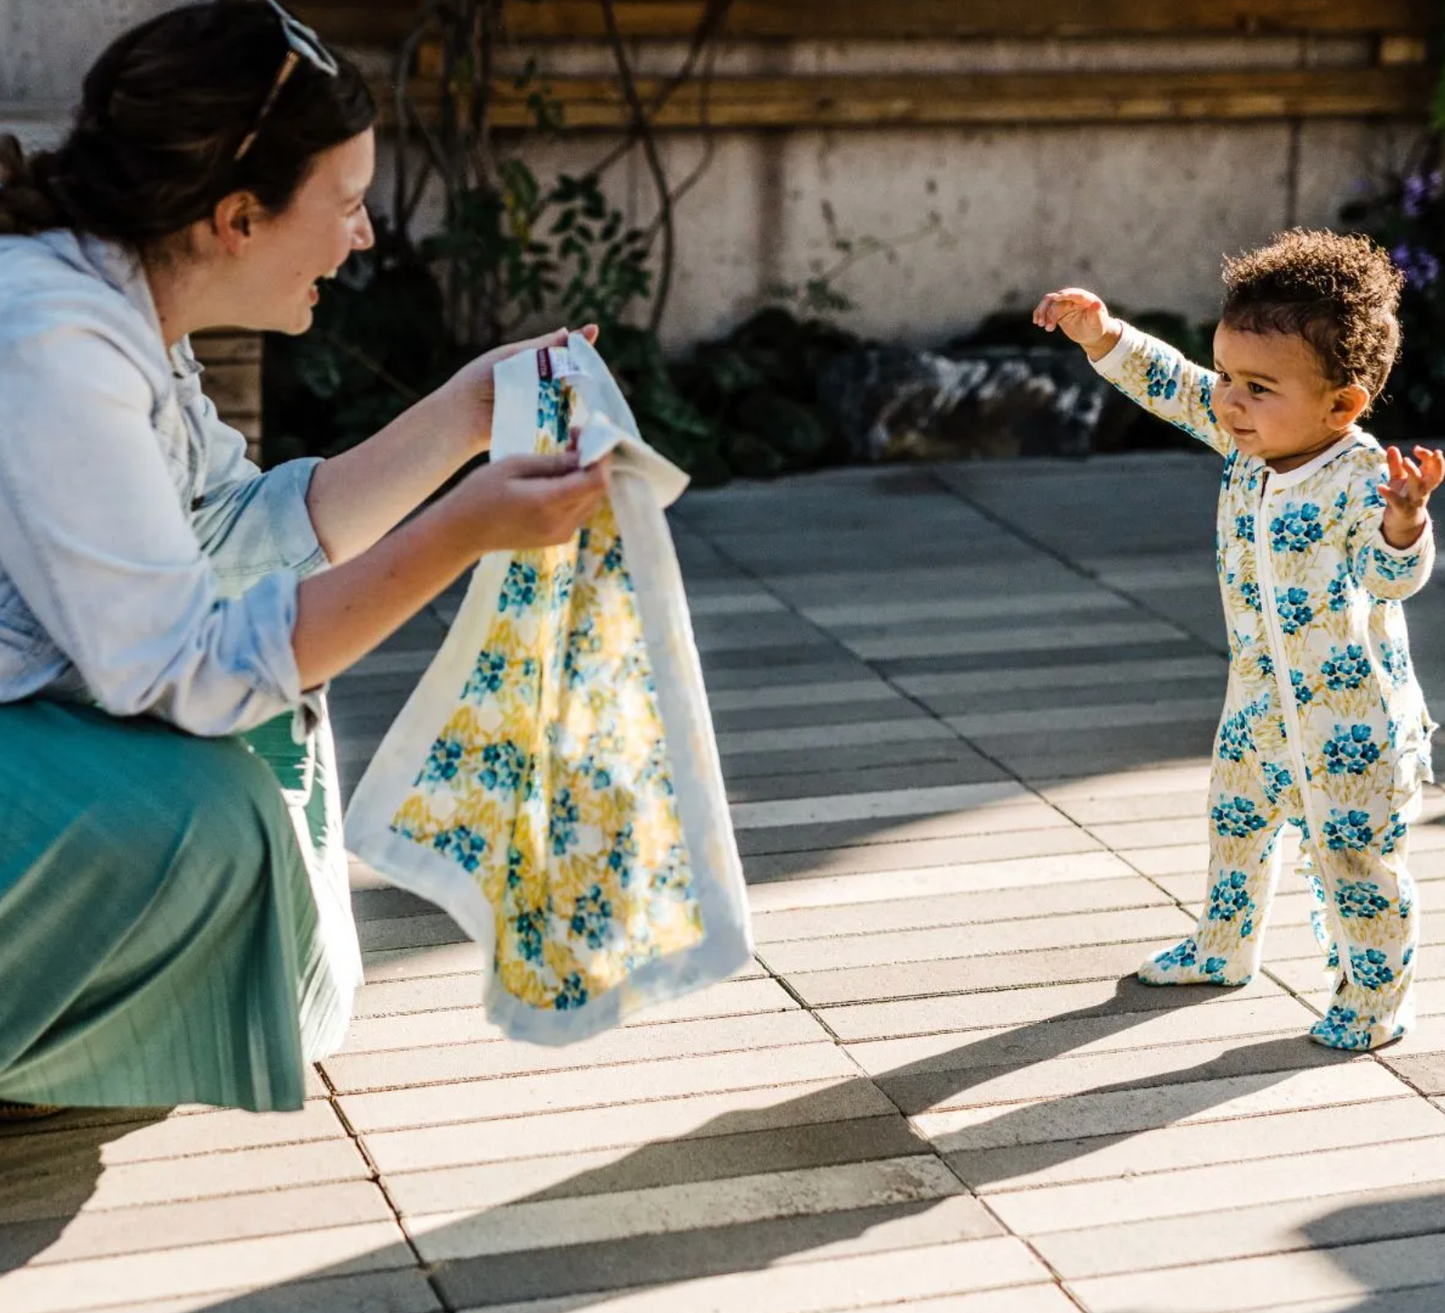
[[48, 1171], [852, 1122]]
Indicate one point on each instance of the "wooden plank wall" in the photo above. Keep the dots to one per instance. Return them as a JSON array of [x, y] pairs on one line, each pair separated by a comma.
[[233, 380], [1397, 82]]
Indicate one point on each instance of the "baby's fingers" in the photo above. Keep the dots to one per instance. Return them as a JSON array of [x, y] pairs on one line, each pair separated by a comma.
[[1432, 467]]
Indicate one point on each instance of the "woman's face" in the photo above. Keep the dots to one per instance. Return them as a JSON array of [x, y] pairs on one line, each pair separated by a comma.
[[311, 239]]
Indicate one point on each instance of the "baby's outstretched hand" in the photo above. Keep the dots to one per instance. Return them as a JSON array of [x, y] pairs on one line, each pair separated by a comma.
[[1082, 317], [1408, 491]]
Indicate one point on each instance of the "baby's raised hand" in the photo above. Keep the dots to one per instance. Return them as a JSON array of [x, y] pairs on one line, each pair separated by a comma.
[[1408, 491], [1082, 317]]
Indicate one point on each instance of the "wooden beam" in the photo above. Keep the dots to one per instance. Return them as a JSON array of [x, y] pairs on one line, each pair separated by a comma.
[[595, 104], [385, 22]]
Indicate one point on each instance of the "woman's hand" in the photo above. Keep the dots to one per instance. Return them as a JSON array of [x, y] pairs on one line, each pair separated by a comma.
[[472, 390], [530, 501], [1082, 317]]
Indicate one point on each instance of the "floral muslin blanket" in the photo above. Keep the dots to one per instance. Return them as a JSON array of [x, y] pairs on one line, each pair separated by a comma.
[[554, 782]]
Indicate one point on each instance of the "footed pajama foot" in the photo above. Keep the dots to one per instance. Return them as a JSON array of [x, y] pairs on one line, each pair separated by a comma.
[[1361, 1019], [1189, 964]]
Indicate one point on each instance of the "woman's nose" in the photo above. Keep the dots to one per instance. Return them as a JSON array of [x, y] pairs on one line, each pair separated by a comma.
[[365, 235]]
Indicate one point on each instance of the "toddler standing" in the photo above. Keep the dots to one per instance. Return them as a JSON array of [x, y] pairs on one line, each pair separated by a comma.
[[1320, 536]]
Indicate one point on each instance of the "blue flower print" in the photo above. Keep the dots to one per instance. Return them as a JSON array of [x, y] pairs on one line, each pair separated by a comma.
[[463, 845], [1396, 663], [1237, 817], [529, 925], [514, 867], [1340, 1028], [1352, 751], [1303, 694], [592, 917], [1214, 965], [1346, 668], [1374, 500], [1348, 831], [519, 589], [1342, 503], [1266, 665], [1244, 528], [573, 994], [1339, 589], [486, 676], [1184, 954], [1161, 382], [442, 761], [582, 642], [1408, 957], [1367, 965], [1234, 737], [612, 558], [1230, 898], [1397, 831], [1360, 899], [562, 579], [1294, 609], [1276, 780], [562, 824], [623, 856], [1249, 591], [1394, 568], [1206, 398], [504, 767], [1296, 529]]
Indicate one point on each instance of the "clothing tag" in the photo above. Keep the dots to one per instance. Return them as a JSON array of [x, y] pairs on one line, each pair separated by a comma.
[[556, 362]]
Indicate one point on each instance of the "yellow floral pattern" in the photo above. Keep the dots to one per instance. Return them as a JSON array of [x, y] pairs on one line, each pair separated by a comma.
[[550, 782]]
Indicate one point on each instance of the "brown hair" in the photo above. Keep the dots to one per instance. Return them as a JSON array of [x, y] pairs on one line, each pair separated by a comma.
[[1341, 294], [162, 114]]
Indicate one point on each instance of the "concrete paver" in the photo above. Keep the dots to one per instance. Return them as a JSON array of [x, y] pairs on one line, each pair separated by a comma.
[[968, 761]]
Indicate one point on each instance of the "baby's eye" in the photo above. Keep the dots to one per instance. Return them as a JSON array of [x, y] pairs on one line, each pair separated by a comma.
[[1222, 377], [1257, 389]]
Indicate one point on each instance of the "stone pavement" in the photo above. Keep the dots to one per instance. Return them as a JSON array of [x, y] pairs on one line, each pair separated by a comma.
[[965, 715]]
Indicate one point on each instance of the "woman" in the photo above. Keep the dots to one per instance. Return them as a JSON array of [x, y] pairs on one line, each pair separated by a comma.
[[174, 924]]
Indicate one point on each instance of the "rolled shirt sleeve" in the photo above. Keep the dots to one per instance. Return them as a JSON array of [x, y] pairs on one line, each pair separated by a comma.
[[94, 537], [247, 522]]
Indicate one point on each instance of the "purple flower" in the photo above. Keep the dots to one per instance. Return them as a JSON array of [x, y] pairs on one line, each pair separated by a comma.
[[1420, 267], [1420, 190]]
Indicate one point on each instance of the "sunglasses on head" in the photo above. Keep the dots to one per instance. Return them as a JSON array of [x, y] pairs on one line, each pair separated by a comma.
[[304, 44]]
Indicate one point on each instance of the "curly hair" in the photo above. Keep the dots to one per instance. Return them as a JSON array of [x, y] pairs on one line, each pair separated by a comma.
[[1341, 294], [163, 110]]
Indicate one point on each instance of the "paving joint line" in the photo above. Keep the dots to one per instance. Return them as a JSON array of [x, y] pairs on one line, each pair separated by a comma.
[[378, 1178]]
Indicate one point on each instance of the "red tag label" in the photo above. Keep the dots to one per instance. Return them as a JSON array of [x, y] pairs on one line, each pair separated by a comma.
[[544, 364]]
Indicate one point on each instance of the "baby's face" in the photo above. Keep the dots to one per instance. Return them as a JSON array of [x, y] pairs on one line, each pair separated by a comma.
[[1273, 398]]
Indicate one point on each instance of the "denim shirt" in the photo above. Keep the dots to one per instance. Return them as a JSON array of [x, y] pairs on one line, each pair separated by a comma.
[[145, 564]]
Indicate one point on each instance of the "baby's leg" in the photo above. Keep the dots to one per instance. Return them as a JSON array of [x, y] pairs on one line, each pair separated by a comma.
[[1374, 909], [1244, 866]]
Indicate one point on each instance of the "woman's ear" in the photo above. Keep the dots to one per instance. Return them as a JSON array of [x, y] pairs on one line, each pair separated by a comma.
[[232, 220], [1349, 404]]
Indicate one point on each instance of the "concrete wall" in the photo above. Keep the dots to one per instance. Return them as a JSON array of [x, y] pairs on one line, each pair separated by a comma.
[[983, 219]]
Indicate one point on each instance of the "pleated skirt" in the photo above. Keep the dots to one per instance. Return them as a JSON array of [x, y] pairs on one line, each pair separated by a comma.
[[174, 919]]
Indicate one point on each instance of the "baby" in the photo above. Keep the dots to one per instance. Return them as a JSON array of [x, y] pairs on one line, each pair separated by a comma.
[[1320, 536]]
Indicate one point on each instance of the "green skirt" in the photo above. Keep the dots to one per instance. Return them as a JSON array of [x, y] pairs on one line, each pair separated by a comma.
[[174, 921]]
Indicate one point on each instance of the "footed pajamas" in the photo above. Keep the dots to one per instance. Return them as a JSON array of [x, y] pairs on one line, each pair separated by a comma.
[[1324, 724]]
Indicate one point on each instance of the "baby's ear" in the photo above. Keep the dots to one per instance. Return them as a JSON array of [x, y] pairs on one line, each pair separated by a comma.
[[1351, 401]]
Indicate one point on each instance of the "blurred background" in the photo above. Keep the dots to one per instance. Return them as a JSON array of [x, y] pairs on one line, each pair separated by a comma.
[[812, 230]]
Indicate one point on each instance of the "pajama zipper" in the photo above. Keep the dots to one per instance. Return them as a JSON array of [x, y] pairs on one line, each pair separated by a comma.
[[1269, 609]]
